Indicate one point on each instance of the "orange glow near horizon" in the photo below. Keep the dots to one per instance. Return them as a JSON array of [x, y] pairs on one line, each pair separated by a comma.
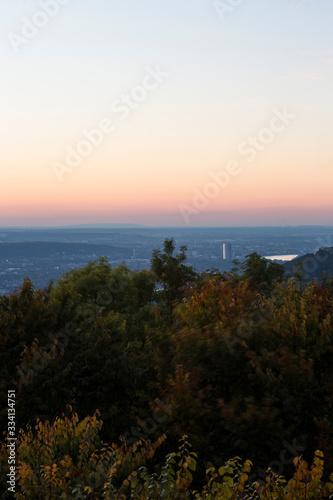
[[147, 191]]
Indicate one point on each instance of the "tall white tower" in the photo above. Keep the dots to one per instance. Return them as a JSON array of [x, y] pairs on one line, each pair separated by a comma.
[[226, 251]]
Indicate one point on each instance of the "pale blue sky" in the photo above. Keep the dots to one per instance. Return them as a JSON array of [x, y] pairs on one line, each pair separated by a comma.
[[226, 76], [90, 49]]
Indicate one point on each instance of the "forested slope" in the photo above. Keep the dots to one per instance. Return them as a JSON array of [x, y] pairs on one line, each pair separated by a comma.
[[240, 363]]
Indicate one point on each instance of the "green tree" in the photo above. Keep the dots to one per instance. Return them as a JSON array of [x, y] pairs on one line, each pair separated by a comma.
[[82, 342], [299, 273], [101, 288], [262, 272], [172, 274]]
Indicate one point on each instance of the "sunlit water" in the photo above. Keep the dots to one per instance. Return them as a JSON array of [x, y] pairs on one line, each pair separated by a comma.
[[281, 257]]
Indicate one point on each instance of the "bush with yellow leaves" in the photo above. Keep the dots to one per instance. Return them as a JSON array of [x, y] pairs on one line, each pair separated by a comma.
[[67, 460]]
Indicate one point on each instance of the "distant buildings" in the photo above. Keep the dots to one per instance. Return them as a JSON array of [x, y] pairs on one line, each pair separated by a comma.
[[226, 251]]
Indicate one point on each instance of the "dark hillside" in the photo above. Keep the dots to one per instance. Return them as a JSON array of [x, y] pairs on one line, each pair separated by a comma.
[[314, 264]]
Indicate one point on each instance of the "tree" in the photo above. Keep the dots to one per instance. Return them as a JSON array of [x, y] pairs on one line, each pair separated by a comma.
[[262, 272], [172, 274], [299, 273], [78, 342], [99, 287], [243, 368]]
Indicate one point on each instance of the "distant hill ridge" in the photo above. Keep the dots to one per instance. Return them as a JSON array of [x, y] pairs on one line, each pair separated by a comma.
[[46, 249], [101, 226], [314, 264]]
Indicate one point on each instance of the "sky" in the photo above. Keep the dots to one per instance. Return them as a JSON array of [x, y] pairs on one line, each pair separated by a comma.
[[166, 113]]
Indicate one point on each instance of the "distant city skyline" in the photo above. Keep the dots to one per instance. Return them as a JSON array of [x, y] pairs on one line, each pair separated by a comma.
[[166, 114]]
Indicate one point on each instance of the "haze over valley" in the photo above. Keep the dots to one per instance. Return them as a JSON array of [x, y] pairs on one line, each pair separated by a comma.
[[45, 254]]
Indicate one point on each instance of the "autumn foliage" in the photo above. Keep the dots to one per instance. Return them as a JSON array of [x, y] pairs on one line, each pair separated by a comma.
[[242, 368], [67, 460]]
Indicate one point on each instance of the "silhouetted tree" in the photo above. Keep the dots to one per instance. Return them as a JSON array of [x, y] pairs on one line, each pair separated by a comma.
[[172, 274], [262, 272]]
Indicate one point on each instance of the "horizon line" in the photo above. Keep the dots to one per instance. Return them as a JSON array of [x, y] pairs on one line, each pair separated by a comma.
[[145, 226]]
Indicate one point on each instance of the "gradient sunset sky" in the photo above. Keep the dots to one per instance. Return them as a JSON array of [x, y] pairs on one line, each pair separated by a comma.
[[213, 89]]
